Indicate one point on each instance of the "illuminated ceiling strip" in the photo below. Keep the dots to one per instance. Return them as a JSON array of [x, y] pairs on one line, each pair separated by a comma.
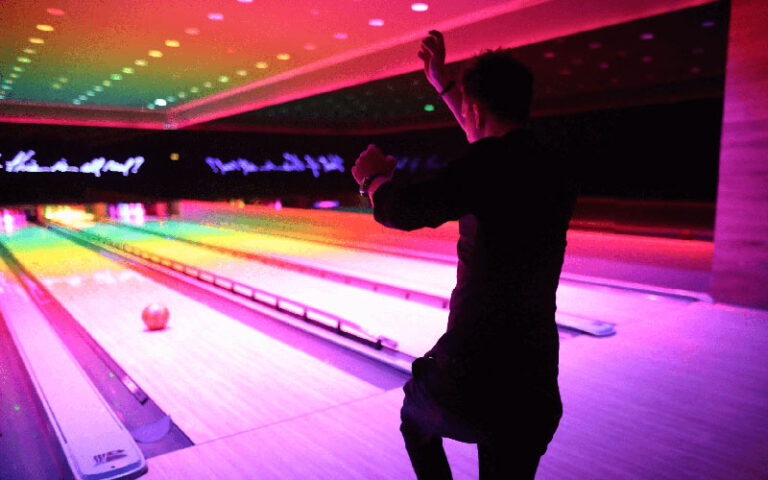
[[447, 25]]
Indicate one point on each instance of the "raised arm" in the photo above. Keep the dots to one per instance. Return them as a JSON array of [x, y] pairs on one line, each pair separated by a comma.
[[432, 52]]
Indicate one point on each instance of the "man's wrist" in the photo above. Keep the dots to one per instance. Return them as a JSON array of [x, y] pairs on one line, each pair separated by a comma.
[[365, 185], [447, 88]]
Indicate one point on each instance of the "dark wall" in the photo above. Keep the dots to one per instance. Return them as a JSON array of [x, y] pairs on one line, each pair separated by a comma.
[[663, 152]]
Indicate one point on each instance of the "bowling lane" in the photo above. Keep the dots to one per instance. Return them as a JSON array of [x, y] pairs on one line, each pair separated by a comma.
[[414, 326], [436, 278], [590, 302], [213, 375]]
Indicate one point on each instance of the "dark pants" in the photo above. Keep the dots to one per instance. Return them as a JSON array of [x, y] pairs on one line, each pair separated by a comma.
[[510, 452]]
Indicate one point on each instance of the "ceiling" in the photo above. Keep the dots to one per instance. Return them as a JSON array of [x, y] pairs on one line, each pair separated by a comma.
[[345, 64]]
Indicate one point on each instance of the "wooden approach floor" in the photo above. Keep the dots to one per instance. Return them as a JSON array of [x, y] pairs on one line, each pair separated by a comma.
[[677, 397], [680, 392]]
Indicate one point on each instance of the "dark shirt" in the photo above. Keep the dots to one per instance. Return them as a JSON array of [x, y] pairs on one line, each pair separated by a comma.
[[513, 201]]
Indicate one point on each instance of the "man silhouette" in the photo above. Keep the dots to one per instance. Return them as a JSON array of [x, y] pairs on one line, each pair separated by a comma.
[[491, 379]]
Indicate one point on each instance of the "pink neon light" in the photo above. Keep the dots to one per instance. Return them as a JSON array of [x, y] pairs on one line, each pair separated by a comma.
[[419, 7], [215, 16], [55, 11]]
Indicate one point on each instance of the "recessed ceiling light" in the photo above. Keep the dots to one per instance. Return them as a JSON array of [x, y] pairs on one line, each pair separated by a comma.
[[340, 36], [261, 65], [140, 62], [16, 68], [245, 1], [170, 98], [14, 75], [98, 88], [76, 101], [45, 28], [192, 31], [8, 81], [182, 94], [194, 89], [160, 102], [23, 60], [63, 79], [55, 11], [128, 70], [429, 107], [36, 41], [283, 56], [223, 79], [56, 86], [82, 98], [376, 22], [90, 93], [30, 51], [215, 16], [172, 43], [242, 73], [419, 7], [116, 76], [106, 83], [208, 84], [151, 106], [155, 53]]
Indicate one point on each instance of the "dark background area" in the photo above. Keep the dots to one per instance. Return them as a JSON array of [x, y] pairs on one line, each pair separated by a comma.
[[665, 152]]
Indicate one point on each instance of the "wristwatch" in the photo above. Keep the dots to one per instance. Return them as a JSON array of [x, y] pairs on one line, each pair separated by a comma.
[[367, 183]]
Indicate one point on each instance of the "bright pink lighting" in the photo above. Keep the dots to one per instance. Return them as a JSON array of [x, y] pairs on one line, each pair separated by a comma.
[[215, 16], [55, 11], [376, 22], [646, 36], [192, 31], [340, 36], [419, 7]]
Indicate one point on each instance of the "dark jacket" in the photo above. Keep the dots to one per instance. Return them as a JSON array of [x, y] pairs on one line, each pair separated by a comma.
[[513, 201]]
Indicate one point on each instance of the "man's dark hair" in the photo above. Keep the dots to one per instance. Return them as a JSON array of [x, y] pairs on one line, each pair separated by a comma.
[[501, 83]]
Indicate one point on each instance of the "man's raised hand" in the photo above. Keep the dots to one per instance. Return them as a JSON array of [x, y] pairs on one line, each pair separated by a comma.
[[432, 52]]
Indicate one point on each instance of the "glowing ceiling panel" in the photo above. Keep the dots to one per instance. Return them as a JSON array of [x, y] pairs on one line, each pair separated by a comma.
[[207, 60]]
